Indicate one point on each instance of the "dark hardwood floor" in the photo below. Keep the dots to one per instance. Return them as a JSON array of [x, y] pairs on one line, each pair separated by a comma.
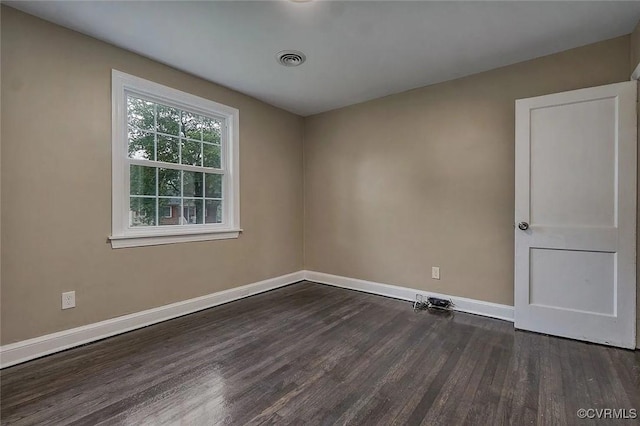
[[315, 354]]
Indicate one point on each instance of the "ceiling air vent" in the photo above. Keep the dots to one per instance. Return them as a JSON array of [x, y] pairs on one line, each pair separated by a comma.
[[290, 58]]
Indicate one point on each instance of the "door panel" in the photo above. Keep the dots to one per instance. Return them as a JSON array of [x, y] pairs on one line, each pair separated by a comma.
[[587, 194], [576, 189], [572, 279]]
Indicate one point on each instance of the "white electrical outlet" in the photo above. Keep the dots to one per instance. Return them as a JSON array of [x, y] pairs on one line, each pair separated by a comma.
[[69, 300], [435, 272]]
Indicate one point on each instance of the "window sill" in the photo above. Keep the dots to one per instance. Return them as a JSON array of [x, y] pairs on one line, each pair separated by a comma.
[[125, 241]]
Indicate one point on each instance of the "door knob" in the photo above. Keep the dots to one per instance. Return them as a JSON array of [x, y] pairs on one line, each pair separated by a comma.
[[523, 226]]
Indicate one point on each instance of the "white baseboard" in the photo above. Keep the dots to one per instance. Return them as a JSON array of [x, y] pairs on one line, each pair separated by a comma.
[[462, 304], [26, 350], [16, 353]]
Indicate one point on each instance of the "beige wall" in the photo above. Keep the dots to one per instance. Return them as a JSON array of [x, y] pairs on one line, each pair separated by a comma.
[[426, 177], [56, 188], [634, 50]]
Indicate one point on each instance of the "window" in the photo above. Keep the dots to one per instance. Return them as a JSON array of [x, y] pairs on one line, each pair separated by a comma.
[[168, 212], [175, 165]]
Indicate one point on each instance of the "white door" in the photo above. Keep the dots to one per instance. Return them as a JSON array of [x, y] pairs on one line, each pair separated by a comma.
[[575, 235]]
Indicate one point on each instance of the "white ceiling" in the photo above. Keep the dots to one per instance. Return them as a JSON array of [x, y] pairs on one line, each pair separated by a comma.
[[355, 50]]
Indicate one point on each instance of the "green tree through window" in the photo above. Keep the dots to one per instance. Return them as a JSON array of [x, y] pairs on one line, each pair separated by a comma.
[[164, 134]]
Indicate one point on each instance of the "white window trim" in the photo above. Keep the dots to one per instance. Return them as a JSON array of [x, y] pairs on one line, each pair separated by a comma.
[[125, 236]]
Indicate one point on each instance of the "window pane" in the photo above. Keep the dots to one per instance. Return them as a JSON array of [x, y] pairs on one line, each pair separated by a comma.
[[211, 130], [191, 153], [142, 211], [213, 211], [192, 184], [168, 120], [140, 145], [168, 182], [192, 211], [211, 155], [169, 211], [191, 125], [142, 180], [168, 149], [213, 185], [140, 113]]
